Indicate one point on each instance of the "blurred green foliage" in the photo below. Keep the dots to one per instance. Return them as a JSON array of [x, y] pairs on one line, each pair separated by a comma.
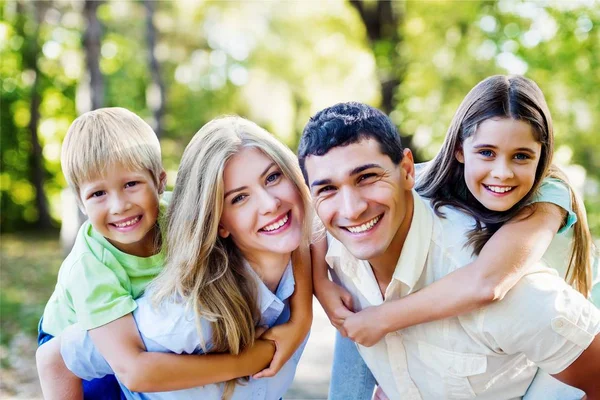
[[279, 62]]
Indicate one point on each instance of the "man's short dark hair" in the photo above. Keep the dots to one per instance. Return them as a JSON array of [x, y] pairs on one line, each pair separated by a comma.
[[347, 123]]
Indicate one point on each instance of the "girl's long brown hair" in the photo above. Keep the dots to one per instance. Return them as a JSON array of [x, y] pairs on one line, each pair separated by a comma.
[[443, 180]]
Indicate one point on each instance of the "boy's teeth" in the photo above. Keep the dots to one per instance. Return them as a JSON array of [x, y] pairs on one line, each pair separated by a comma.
[[499, 189], [364, 227], [130, 222], [277, 224]]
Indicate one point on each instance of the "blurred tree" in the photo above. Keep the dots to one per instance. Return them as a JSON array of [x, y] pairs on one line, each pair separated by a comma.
[[92, 43], [383, 21], [155, 94], [36, 160]]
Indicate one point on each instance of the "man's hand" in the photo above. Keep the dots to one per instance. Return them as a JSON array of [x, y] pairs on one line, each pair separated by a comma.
[[366, 327], [336, 301]]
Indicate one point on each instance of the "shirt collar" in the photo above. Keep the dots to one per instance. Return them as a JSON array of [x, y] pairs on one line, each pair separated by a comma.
[[284, 290], [416, 245]]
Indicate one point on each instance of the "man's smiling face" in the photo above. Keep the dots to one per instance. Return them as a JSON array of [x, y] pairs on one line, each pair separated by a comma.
[[362, 197]]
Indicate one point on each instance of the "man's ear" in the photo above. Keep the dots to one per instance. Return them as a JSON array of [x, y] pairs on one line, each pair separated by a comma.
[[407, 164], [223, 233], [162, 182], [460, 156]]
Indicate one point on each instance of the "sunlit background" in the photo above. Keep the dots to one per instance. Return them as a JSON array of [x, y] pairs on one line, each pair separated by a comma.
[[179, 64]]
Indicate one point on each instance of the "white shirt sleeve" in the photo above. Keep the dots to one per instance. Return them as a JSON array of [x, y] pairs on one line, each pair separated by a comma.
[[544, 318]]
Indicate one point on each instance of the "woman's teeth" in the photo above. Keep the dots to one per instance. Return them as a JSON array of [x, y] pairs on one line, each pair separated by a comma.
[[277, 224], [364, 227]]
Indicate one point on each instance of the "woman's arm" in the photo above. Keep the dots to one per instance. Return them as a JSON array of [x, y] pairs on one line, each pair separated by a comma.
[[57, 382], [289, 336], [502, 262], [335, 300], [141, 371]]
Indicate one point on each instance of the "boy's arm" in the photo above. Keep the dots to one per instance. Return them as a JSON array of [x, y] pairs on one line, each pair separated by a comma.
[[57, 382], [502, 262], [289, 336], [141, 371]]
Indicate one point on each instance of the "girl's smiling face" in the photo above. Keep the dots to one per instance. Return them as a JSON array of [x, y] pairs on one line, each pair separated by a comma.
[[262, 209], [500, 162]]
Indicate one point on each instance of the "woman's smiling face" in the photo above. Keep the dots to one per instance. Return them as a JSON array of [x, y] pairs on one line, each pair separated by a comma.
[[262, 208]]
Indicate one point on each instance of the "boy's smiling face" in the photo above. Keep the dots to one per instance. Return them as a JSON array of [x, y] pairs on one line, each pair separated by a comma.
[[122, 205]]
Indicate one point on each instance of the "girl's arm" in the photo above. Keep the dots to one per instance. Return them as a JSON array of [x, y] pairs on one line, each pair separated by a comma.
[[56, 380], [502, 262], [141, 371], [289, 336]]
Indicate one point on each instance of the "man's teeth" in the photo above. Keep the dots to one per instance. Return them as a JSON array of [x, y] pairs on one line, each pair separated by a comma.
[[277, 224], [364, 227], [500, 189], [130, 222]]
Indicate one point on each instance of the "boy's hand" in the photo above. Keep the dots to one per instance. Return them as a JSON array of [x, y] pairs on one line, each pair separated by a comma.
[[366, 327], [336, 301]]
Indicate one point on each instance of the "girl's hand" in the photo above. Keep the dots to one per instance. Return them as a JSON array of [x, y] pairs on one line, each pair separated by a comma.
[[336, 301], [379, 394], [287, 340], [366, 327]]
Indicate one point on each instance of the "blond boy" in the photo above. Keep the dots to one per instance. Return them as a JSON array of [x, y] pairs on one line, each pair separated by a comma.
[[111, 159]]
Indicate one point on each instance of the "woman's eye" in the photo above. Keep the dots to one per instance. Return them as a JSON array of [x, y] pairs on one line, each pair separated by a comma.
[[522, 156], [273, 177], [486, 153], [238, 198]]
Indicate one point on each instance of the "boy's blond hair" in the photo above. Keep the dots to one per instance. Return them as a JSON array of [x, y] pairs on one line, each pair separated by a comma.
[[107, 137]]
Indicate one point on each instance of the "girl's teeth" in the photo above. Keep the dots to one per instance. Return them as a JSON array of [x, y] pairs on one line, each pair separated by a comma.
[[277, 224], [364, 227], [130, 222], [497, 189]]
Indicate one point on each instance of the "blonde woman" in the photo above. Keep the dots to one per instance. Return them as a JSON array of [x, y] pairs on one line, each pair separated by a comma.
[[239, 210]]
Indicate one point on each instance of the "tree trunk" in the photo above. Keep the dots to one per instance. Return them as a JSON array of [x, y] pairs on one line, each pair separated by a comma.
[[155, 95], [36, 158], [90, 96], [91, 43], [382, 20]]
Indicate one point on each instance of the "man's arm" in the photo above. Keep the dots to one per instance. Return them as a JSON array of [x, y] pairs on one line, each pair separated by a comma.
[[584, 373]]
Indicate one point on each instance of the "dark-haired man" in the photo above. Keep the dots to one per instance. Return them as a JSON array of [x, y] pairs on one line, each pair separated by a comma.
[[385, 242]]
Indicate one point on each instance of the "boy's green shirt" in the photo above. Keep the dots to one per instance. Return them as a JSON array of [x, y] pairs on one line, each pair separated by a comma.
[[98, 283]]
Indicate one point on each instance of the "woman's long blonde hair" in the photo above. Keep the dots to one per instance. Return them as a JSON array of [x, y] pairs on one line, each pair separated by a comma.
[[202, 269], [443, 180]]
